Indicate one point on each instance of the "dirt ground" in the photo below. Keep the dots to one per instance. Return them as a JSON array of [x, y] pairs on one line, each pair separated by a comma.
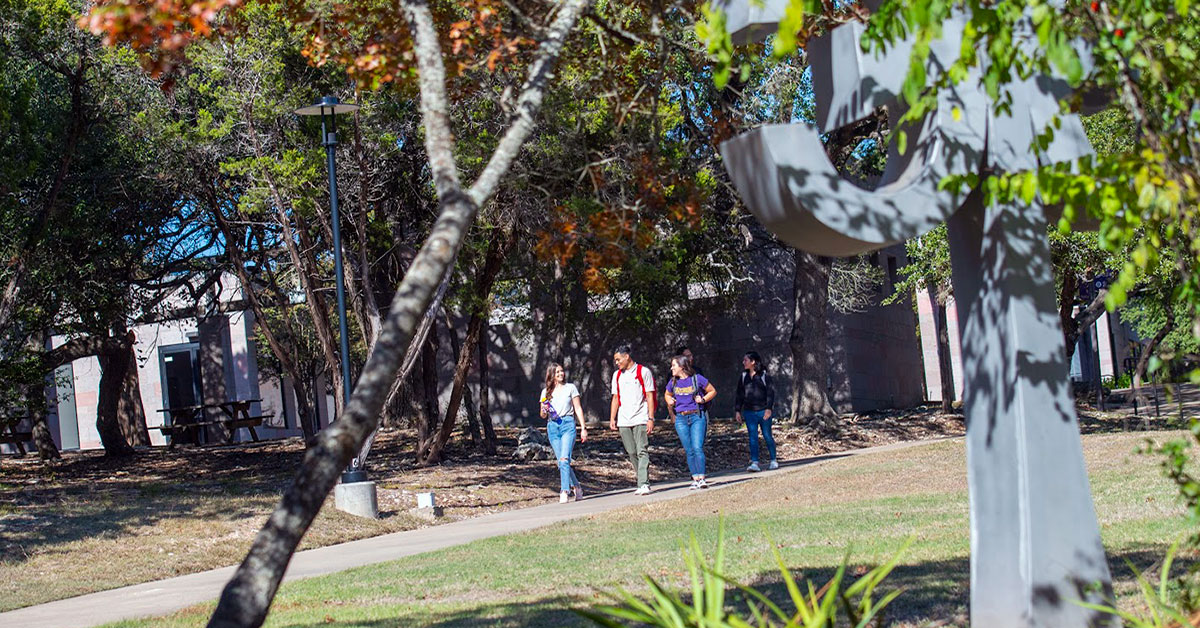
[[468, 484], [88, 522]]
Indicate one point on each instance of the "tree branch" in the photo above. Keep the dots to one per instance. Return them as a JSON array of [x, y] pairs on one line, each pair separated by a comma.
[[528, 104], [247, 597]]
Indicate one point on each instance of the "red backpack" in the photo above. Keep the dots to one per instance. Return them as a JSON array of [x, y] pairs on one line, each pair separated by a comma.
[[617, 382]]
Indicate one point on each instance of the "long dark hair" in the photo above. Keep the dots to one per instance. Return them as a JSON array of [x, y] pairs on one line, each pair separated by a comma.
[[757, 360], [685, 364], [551, 380]]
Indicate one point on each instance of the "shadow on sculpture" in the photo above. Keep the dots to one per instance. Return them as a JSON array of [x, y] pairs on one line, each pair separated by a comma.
[[1035, 542]]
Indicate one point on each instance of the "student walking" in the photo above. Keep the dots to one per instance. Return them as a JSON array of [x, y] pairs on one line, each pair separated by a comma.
[[560, 407], [755, 403], [686, 395], [632, 412]]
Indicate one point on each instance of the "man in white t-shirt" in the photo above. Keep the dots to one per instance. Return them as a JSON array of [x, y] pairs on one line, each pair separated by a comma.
[[633, 412]]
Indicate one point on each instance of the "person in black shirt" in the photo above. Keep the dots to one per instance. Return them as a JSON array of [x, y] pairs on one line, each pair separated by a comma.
[[755, 403], [687, 352]]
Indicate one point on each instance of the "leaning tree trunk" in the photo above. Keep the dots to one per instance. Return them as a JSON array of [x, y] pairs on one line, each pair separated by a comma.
[[809, 343], [247, 597], [1077, 322]]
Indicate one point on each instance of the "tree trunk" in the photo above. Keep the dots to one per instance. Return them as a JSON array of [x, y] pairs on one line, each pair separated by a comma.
[[112, 380], [809, 343], [466, 355], [456, 348], [247, 597], [1080, 321], [945, 360], [493, 263], [42, 438], [429, 392], [285, 353], [306, 414], [131, 415], [1067, 290], [485, 415], [1139, 373]]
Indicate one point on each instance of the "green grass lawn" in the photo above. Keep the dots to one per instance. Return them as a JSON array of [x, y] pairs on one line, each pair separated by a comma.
[[869, 503]]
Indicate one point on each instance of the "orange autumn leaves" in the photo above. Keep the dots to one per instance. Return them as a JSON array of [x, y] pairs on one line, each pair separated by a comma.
[[606, 238], [368, 38], [159, 30]]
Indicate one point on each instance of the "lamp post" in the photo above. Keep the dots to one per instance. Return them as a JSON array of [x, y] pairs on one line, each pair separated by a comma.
[[329, 108]]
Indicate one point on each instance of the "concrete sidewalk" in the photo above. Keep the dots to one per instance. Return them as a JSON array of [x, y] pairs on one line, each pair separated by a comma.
[[165, 596]]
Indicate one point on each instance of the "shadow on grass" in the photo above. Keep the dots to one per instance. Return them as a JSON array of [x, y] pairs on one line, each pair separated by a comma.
[[543, 613], [933, 591]]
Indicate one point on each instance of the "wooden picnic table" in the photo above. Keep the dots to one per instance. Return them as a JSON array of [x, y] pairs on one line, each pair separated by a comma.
[[10, 434], [186, 419]]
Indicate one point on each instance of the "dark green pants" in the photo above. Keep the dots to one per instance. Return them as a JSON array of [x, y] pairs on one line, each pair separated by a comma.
[[635, 441]]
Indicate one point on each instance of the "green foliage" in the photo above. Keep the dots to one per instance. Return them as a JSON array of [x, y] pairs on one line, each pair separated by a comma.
[[928, 267], [1161, 612], [1178, 466], [1124, 380], [814, 608], [1142, 185]]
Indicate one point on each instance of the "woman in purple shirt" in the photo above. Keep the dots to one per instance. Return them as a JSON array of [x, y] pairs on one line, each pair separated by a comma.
[[686, 395]]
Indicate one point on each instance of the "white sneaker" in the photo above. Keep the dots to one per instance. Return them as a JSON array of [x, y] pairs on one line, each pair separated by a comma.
[[701, 483], [578, 493], [695, 485], [753, 467], [562, 497], [774, 465], [643, 490]]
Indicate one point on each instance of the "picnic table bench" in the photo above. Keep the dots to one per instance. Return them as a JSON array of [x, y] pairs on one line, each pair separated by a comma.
[[13, 436], [186, 419]]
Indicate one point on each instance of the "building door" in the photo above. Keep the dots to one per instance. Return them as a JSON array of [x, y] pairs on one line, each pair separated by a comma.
[[180, 370]]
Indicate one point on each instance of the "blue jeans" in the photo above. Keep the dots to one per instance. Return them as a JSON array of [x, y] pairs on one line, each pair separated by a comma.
[[754, 419], [691, 429], [562, 440]]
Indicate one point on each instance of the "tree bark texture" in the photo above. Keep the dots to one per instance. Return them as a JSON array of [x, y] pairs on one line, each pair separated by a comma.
[[248, 595], [112, 382], [809, 343], [43, 440], [130, 413]]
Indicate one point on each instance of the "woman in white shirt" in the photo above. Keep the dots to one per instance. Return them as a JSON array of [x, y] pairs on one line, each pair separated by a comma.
[[560, 407]]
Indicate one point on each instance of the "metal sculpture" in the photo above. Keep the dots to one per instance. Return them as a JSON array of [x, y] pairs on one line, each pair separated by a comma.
[[1035, 542]]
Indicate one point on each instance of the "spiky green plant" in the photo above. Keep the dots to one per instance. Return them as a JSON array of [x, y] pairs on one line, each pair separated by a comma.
[[816, 608]]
